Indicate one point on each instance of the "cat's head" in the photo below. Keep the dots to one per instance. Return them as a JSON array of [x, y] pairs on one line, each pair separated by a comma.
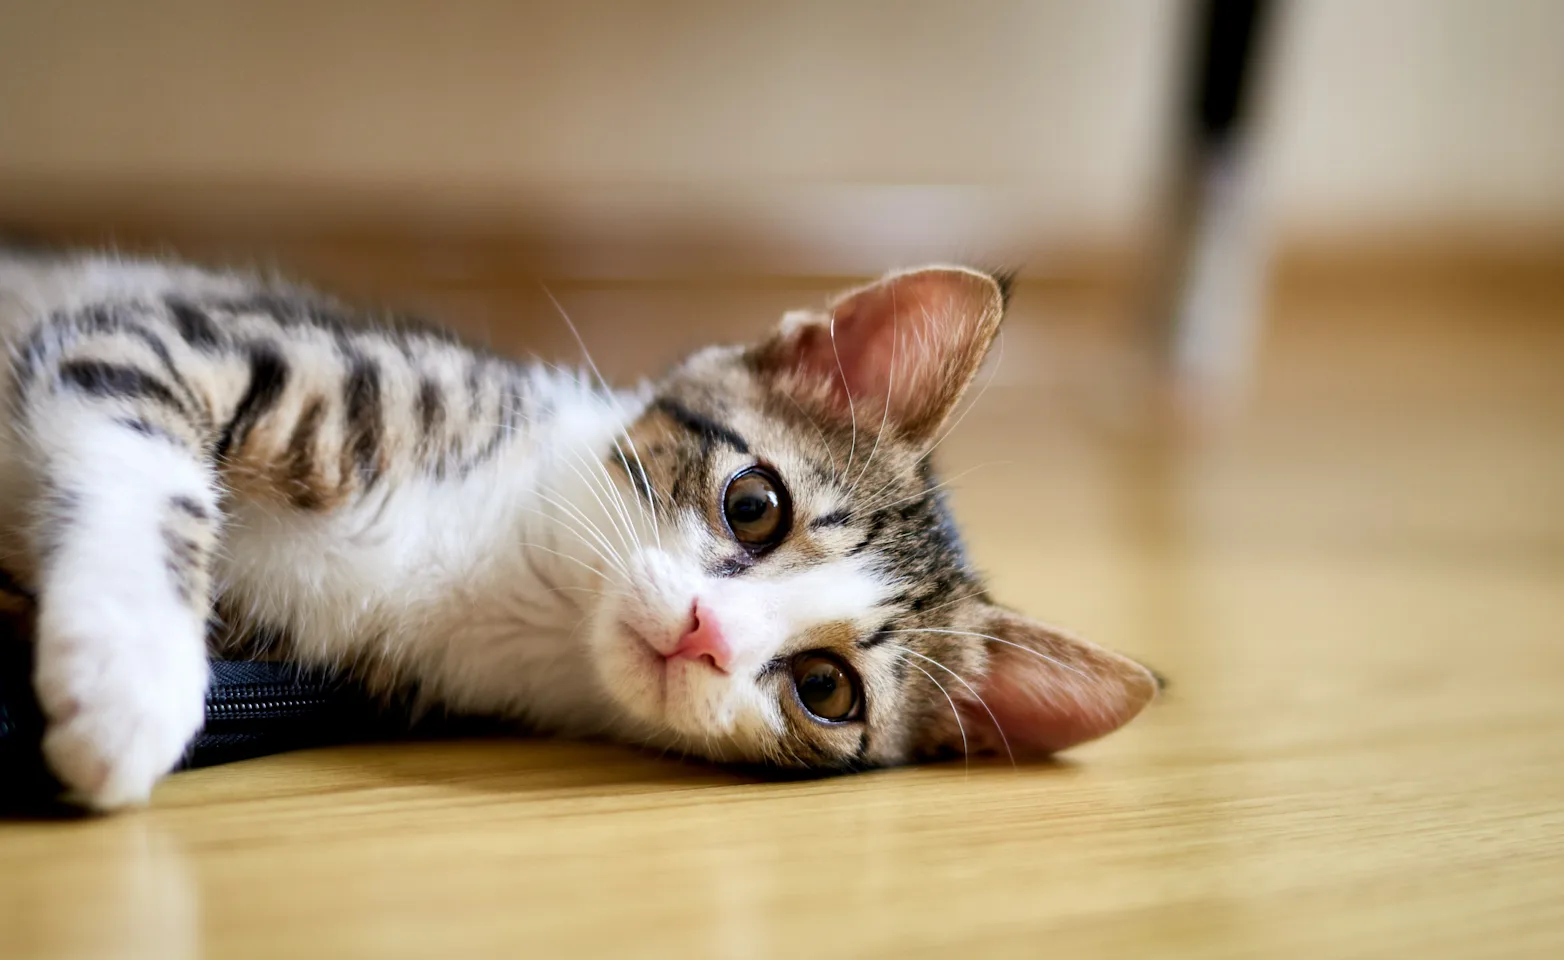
[[805, 598]]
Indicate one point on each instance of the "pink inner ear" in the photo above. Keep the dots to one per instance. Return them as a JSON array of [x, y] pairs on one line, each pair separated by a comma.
[[1046, 705], [852, 345], [902, 349], [880, 343], [1037, 719]]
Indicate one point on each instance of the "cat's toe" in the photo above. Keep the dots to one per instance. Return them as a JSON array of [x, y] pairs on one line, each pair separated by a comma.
[[121, 705], [109, 758]]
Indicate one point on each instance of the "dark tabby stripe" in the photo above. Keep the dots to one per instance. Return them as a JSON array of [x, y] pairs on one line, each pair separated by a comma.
[[513, 401], [299, 461], [183, 563], [150, 339], [194, 326], [510, 409], [431, 410], [882, 635], [710, 431], [189, 507], [836, 518], [154, 342], [119, 382], [146, 429], [364, 421], [640, 481], [731, 566], [268, 379]]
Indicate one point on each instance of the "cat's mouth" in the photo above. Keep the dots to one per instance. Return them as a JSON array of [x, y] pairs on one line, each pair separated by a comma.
[[648, 658], [639, 641], [669, 685]]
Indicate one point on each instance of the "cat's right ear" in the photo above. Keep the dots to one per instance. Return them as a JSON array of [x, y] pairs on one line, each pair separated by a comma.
[[1044, 690], [900, 351]]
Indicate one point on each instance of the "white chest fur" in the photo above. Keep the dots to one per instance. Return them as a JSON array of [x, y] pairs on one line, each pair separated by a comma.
[[475, 581]]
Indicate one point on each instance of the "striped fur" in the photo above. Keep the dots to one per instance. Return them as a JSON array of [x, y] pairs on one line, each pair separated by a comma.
[[185, 446]]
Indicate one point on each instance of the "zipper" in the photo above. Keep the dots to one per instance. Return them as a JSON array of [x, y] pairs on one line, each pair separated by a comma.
[[262, 709], [262, 702]]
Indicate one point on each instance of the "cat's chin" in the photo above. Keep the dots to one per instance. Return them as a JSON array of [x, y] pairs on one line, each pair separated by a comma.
[[649, 669], [633, 672], [684, 701]]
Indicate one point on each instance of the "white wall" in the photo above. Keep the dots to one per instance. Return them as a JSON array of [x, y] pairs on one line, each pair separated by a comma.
[[1391, 111], [1420, 112]]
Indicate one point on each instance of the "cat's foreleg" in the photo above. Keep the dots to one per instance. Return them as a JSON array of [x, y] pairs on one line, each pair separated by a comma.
[[124, 529]]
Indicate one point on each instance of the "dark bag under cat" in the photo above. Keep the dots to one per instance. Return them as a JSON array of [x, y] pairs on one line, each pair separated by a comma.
[[252, 709]]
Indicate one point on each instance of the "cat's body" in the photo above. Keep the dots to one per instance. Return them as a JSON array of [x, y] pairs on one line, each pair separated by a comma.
[[702, 563]]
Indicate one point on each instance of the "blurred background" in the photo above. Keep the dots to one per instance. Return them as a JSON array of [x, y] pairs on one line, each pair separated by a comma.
[[1279, 408], [618, 140], [1327, 235]]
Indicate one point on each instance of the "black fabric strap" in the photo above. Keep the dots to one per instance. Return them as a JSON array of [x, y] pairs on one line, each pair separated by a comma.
[[252, 709]]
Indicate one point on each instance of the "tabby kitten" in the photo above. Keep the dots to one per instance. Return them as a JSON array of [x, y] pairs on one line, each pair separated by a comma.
[[748, 559]]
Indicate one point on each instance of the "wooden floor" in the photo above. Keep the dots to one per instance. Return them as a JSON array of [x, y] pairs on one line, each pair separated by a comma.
[[1357, 588]]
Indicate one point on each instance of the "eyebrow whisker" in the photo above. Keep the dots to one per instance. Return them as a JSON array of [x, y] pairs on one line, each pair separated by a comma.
[[979, 697], [966, 754]]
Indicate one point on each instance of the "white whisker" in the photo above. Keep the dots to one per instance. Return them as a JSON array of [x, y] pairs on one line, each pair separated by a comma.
[[952, 601], [930, 489], [618, 497], [575, 513], [564, 556], [966, 754], [608, 554], [618, 514], [1009, 643], [847, 389], [979, 697], [613, 397], [890, 385], [835, 470]]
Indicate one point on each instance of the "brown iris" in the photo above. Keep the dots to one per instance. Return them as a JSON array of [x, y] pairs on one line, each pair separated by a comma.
[[756, 508], [826, 687]]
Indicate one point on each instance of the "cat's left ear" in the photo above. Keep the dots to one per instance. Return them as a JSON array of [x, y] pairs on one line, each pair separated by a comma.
[[901, 350], [1045, 691]]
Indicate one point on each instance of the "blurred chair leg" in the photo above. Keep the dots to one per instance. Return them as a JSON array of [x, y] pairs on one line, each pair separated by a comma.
[[1210, 262]]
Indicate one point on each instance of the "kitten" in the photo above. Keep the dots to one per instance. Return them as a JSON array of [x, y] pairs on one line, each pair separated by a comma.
[[747, 559]]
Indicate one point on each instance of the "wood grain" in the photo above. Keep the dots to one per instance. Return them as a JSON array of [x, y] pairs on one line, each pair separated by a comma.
[[1357, 589]]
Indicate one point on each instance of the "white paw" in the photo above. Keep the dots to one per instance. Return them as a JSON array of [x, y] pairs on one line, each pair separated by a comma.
[[122, 679]]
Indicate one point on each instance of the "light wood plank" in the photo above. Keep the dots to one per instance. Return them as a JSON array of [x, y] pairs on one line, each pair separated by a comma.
[[1357, 589]]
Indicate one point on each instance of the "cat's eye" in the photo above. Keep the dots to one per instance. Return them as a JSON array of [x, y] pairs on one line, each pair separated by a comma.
[[827, 687], [756, 508]]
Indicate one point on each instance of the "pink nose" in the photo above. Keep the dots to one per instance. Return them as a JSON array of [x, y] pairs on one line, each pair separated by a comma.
[[704, 640]]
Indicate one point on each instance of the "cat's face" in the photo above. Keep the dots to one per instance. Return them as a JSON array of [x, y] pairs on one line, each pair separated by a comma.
[[803, 597]]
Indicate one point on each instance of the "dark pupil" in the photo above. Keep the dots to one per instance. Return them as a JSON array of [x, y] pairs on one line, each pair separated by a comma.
[[825, 690], [817, 688], [755, 508], [750, 508]]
